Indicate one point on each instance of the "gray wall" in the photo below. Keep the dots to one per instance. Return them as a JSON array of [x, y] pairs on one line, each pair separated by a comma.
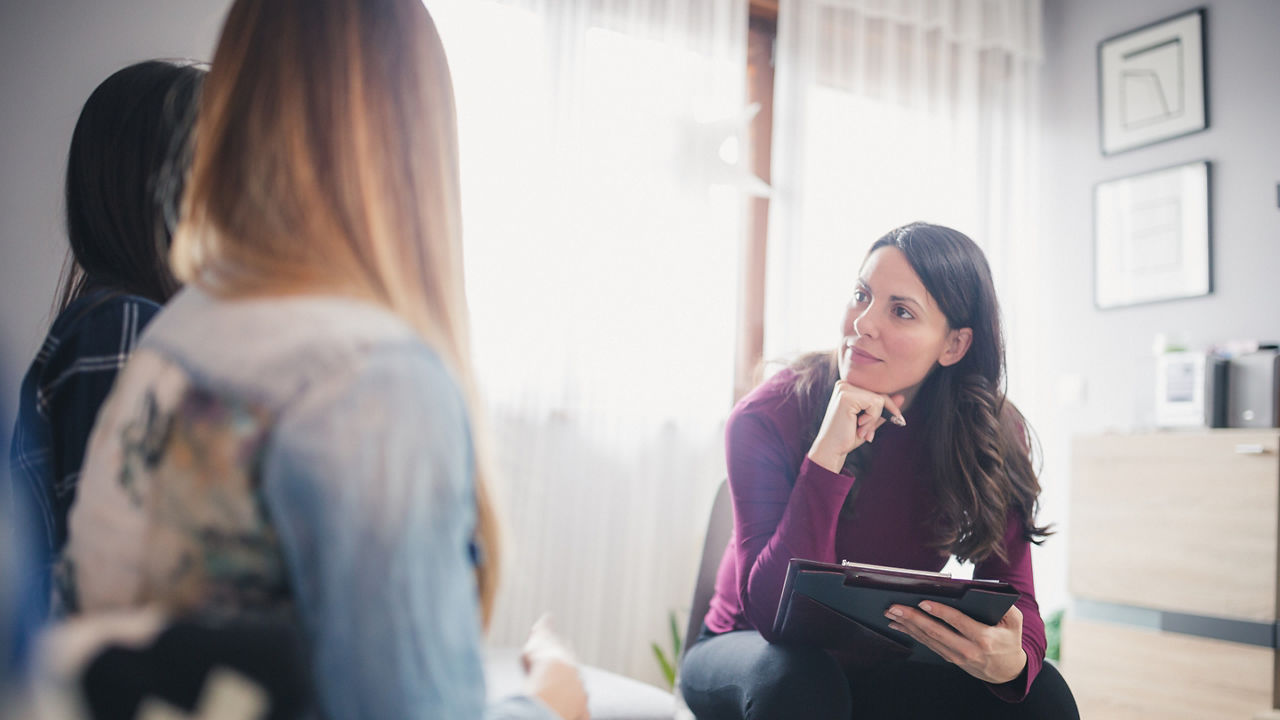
[[1112, 350], [52, 54]]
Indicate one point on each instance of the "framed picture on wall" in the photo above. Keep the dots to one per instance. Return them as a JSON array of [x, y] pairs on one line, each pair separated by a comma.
[[1151, 83], [1151, 236]]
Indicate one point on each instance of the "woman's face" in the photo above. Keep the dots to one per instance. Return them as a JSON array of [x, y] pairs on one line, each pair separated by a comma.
[[894, 331]]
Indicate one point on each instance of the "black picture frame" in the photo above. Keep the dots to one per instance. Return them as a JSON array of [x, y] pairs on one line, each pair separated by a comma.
[[1153, 83]]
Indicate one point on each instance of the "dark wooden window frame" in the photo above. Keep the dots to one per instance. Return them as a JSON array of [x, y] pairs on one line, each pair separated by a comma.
[[749, 355]]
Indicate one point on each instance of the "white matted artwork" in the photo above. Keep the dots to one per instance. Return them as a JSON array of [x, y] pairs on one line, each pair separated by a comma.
[[1151, 236], [1152, 83]]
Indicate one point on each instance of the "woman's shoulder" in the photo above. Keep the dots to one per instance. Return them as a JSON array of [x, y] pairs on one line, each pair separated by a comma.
[[278, 348], [407, 375], [774, 402], [91, 338], [103, 317], [773, 392], [398, 393]]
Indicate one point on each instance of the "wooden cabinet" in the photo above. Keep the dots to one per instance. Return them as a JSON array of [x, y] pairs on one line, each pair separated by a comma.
[[1173, 573]]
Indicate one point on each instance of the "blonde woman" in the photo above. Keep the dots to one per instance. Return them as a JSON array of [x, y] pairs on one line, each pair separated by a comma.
[[295, 437]]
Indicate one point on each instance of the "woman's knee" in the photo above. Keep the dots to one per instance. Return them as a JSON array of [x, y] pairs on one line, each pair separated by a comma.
[[793, 682], [740, 676]]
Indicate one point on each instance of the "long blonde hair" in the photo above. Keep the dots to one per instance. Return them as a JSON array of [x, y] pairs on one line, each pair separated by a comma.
[[327, 160]]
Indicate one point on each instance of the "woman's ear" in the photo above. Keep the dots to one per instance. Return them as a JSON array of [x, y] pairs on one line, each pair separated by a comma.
[[958, 342]]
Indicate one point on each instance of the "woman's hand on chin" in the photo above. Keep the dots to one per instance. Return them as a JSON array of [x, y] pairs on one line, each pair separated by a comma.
[[992, 653], [853, 414]]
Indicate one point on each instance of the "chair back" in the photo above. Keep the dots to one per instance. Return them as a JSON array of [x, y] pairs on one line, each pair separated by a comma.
[[719, 528]]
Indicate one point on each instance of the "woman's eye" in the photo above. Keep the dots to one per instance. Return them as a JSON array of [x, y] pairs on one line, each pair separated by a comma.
[[860, 296], [903, 313]]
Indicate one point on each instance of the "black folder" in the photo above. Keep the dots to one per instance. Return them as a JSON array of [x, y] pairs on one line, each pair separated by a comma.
[[841, 607]]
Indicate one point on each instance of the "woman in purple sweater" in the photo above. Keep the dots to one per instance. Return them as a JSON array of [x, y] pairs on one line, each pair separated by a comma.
[[816, 473]]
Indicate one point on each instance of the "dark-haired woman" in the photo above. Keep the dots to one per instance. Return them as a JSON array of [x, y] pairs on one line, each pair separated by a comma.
[[124, 175], [816, 473]]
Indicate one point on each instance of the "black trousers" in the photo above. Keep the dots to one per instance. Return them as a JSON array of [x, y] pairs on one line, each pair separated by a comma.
[[740, 676]]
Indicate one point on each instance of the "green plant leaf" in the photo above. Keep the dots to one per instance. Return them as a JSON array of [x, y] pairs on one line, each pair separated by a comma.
[[675, 635], [668, 672], [1053, 636]]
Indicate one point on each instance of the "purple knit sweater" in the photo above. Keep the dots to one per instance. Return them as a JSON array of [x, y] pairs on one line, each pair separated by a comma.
[[786, 506]]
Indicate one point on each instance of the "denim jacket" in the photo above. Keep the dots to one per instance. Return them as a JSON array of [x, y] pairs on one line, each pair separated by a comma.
[[304, 457]]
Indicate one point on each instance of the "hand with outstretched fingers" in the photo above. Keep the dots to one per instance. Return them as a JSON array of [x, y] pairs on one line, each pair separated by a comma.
[[992, 653]]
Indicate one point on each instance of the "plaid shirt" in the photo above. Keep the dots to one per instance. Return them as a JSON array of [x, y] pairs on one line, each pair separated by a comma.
[[66, 385]]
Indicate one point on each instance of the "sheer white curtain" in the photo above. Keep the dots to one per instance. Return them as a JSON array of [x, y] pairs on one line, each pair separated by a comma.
[[602, 207], [890, 111]]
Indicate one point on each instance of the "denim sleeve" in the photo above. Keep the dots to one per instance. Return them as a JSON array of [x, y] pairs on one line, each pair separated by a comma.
[[369, 483]]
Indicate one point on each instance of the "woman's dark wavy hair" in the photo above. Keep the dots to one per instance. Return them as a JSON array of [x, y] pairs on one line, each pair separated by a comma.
[[977, 445], [125, 171]]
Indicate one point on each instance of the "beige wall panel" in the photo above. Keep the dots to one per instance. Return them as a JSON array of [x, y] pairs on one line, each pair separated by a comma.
[[1184, 521], [1124, 673]]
